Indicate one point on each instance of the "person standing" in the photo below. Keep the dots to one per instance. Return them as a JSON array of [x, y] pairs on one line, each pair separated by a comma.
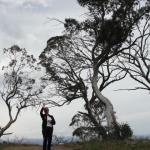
[[47, 127]]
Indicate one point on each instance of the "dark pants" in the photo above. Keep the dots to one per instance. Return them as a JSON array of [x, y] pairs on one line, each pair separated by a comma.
[[47, 138]]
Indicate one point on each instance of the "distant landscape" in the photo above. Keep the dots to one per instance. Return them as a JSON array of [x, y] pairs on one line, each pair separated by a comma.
[[38, 141]]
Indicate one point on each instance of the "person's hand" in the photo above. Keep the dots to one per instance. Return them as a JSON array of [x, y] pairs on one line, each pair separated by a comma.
[[43, 105]]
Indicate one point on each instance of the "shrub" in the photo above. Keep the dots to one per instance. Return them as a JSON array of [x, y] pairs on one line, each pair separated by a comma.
[[126, 131], [121, 132]]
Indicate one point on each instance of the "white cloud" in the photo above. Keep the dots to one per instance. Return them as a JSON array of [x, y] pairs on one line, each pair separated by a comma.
[[26, 3], [44, 3]]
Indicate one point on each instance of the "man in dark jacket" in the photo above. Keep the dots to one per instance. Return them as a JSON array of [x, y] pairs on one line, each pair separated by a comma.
[[47, 127]]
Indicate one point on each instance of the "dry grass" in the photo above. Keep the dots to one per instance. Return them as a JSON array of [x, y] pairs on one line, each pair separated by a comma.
[[32, 147], [23, 148], [117, 145], [93, 145]]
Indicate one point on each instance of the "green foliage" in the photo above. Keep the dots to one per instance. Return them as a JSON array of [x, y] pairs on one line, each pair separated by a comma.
[[121, 132], [126, 131], [84, 124], [88, 133], [71, 25]]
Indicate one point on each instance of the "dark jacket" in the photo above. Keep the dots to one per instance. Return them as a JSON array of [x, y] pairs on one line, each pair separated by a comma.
[[44, 118]]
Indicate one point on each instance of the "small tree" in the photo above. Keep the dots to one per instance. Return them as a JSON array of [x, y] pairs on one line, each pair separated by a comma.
[[18, 90], [120, 132]]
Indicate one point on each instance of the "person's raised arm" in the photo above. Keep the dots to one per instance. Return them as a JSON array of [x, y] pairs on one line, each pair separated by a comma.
[[53, 121], [42, 110]]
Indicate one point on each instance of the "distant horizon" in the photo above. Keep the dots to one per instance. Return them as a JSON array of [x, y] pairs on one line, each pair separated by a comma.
[[39, 141]]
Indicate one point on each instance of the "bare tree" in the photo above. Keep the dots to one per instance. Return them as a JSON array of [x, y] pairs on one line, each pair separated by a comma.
[[136, 61], [18, 87]]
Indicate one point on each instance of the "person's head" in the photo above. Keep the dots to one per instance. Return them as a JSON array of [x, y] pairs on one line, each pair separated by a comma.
[[46, 110]]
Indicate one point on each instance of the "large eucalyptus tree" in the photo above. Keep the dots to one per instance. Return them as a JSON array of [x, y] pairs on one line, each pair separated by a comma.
[[78, 60]]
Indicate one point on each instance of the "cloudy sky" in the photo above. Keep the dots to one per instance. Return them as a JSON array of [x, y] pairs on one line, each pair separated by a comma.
[[27, 24]]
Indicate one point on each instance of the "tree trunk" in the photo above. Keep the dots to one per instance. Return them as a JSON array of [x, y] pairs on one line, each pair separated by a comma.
[[2, 130], [109, 110], [11, 121], [91, 116]]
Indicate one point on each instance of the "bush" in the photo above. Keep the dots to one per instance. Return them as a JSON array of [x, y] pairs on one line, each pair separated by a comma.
[[126, 131], [121, 132]]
